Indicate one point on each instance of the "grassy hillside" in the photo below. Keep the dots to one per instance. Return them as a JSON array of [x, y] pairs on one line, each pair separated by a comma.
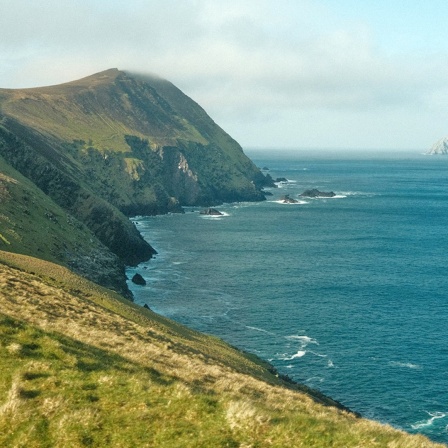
[[82, 366], [32, 224], [99, 119]]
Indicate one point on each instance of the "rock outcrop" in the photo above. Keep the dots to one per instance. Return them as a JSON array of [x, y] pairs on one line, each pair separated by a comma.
[[138, 279], [211, 212], [440, 147], [315, 193], [286, 199]]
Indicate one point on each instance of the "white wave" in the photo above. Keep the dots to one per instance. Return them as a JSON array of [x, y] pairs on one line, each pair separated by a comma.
[[303, 339], [290, 203], [330, 364], [314, 379], [318, 354], [222, 215], [260, 329], [407, 365], [430, 421], [356, 193], [288, 181], [299, 354]]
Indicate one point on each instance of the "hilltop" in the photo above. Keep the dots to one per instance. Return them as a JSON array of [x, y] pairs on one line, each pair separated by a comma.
[[110, 146]]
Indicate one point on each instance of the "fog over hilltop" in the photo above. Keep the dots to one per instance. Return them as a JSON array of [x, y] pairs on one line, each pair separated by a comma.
[[291, 74]]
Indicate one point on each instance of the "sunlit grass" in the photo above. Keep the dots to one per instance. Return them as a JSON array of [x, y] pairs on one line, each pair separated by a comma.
[[83, 367]]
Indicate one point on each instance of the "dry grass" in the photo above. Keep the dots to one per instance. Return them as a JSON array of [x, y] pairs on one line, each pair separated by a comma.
[[81, 367]]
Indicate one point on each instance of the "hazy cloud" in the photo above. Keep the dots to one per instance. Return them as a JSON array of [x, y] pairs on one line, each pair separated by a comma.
[[289, 73]]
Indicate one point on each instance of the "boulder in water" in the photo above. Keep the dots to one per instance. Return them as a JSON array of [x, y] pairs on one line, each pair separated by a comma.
[[138, 280], [315, 193], [288, 200], [211, 212]]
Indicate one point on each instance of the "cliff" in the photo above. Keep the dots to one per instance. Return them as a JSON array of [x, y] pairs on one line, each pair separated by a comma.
[[440, 147], [113, 145]]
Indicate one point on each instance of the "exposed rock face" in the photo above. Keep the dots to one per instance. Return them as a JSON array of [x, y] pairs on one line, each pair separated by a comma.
[[115, 145], [440, 147], [315, 193], [211, 211]]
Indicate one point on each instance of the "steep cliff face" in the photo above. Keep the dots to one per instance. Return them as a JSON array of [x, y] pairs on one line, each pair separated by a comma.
[[138, 142], [48, 172], [32, 224], [114, 145], [440, 147]]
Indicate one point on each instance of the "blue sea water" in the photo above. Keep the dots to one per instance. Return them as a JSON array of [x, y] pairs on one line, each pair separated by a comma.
[[347, 295]]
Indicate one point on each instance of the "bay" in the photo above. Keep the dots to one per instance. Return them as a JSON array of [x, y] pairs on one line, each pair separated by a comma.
[[348, 295]]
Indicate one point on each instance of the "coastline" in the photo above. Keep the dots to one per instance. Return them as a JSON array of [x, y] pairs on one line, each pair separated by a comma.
[[315, 394], [393, 363]]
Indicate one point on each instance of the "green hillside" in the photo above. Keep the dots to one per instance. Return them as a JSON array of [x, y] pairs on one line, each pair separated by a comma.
[[32, 224], [142, 130], [82, 367], [114, 145]]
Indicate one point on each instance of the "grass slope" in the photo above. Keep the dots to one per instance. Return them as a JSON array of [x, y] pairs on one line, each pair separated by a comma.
[[82, 366], [32, 224]]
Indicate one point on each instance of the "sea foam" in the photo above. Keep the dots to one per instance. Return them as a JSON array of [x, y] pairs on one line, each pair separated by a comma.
[[424, 423], [299, 354], [407, 365]]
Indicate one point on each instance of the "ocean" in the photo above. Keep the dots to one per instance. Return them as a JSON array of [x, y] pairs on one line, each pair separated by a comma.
[[348, 295]]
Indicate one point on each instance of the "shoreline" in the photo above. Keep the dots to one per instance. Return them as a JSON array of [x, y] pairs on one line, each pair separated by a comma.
[[287, 381]]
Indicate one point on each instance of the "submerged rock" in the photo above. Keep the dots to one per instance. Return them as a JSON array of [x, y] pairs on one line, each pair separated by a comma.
[[211, 211], [315, 193], [138, 280]]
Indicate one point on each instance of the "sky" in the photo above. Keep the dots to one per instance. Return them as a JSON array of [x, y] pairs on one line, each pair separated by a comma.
[[314, 74]]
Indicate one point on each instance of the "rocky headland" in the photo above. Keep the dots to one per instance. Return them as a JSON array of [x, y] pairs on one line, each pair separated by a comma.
[[96, 151]]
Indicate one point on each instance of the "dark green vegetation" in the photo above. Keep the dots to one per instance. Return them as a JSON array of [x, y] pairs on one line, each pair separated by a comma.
[[114, 145], [83, 367]]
